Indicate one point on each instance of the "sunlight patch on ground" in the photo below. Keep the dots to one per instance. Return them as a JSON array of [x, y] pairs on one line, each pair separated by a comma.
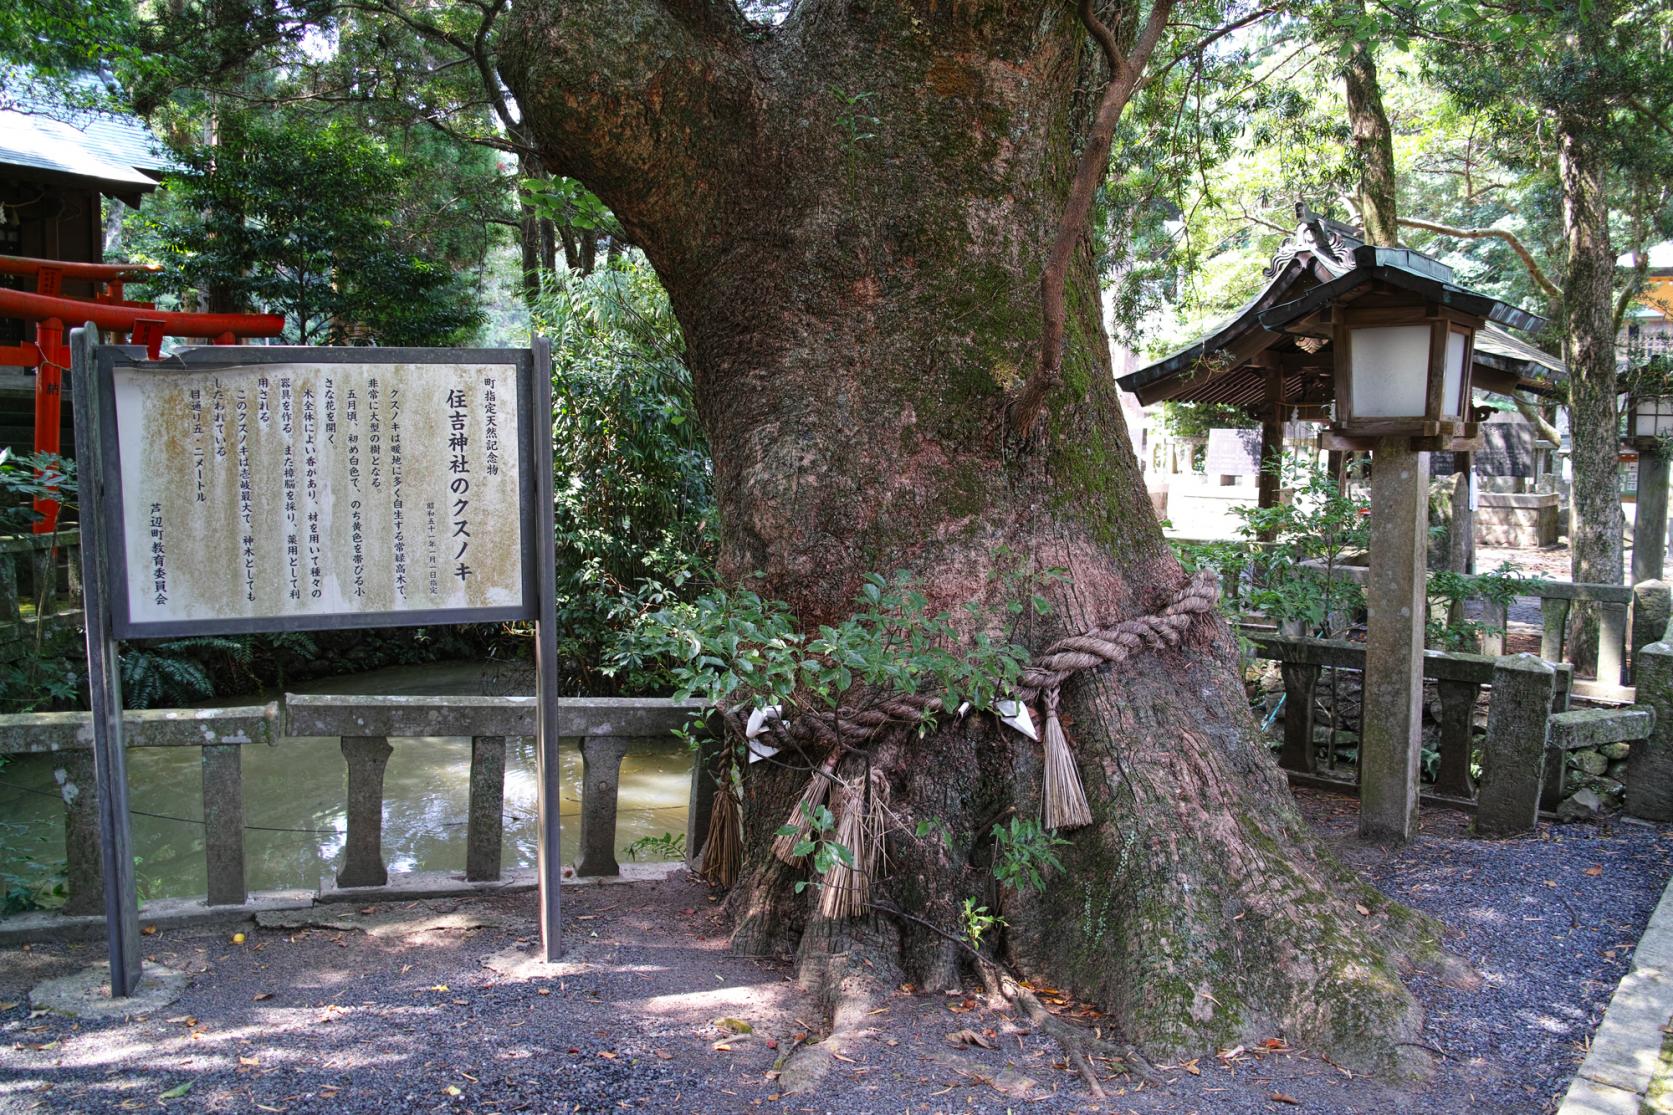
[[684, 1002]]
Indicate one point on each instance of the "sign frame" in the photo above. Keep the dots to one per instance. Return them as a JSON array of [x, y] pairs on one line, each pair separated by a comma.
[[106, 599], [230, 358]]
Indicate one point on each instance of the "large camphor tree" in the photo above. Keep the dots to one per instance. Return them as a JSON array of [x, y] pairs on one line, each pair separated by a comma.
[[852, 210]]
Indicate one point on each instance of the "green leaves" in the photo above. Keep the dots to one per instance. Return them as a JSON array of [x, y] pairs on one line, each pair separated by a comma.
[[567, 202], [635, 526], [976, 921], [826, 853], [736, 648], [1023, 853], [344, 260], [1447, 590]]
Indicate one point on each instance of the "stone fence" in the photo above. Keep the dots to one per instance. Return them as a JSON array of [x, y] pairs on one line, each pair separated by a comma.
[[606, 728], [1627, 618], [40, 582], [1530, 730]]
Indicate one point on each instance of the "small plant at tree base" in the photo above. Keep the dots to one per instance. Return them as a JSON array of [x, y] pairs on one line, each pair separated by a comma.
[[733, 649], [857, 124], [668, 846], [978, 921], [826, 853], [1023, 853], [934, 826]]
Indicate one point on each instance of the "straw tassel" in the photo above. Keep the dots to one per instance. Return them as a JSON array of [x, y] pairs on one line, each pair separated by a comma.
[[724, 850], [1065, 806], [784, 844], [846, 891]]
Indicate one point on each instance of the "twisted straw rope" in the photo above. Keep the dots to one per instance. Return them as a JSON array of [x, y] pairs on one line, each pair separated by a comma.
[[1099, 646]]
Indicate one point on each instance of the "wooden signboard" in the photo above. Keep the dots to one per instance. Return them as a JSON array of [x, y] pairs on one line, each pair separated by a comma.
[[242, 489]]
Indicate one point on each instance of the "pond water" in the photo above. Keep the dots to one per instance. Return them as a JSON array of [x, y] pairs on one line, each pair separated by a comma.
[[294, 798]]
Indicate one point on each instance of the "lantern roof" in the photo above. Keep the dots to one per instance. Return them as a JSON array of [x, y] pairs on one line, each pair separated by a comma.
[[1259, 357]]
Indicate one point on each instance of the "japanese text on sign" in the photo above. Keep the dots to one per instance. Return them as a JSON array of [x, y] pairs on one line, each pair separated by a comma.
[[319, 489]]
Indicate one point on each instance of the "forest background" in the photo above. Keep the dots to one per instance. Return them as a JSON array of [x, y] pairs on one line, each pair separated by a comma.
[[361, 169]]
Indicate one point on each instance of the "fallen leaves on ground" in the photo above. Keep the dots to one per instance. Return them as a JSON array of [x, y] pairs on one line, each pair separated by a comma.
[[968, 1037]]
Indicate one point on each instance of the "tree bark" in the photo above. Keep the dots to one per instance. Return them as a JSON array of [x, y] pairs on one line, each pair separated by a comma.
[[858, 303], [1373, 140], [1596, 524]]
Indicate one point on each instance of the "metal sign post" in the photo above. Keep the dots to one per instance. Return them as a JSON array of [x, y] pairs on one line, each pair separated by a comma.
[[550, 775], [233, 490], [104, 678]]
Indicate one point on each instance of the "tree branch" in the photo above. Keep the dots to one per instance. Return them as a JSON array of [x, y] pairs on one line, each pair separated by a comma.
[[1530, 414], [1201, 44], [1541, 279], [1125, 72], [651, 103], [1640, 264], [1650, 114]]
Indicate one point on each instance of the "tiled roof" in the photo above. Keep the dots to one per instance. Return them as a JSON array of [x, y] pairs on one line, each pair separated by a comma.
[[42, 130]]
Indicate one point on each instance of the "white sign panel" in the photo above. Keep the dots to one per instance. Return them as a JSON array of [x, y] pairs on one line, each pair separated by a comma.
[[278, 490]]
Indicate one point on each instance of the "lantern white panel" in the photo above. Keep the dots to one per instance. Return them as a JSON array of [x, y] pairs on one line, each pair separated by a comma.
[[1654, 415], [1390, 371], [1452, 385]]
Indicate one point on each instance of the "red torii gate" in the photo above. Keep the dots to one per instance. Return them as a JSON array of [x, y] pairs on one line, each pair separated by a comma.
[[52, 313]]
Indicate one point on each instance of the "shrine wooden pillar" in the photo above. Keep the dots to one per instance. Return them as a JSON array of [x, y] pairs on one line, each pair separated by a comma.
[[1270, 479]]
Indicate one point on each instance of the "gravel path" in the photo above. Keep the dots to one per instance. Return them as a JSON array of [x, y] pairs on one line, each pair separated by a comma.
[[396, 1009]]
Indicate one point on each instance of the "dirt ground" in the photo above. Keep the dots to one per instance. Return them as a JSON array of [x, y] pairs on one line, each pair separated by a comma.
[[435, 1007]]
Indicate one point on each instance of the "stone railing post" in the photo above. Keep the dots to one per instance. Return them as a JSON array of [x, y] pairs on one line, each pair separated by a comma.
[[1553, 614], [223, 823], [1458, 700], [485, 828], [84, 865], [8, 588], [1493, 620], [1301, 683], [1513, 755], [601, 768], [1652, 607], [1650, 765], [72, 572], [1611, 643], [363, 866]]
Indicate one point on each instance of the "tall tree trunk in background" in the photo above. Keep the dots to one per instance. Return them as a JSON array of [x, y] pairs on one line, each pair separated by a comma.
[[1373, 140], [1596, 523], [1378, 200], [859, 299]]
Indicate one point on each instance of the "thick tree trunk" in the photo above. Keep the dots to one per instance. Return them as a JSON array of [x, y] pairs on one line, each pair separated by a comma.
[[858, 297], [1596, 524]]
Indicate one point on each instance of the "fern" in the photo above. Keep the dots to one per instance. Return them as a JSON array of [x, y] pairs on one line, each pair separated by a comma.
[[173, 673]]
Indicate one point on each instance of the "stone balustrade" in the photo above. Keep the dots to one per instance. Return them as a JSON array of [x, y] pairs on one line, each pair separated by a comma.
[[369, 729], [1529, 728], [40, 582], [1620, 628], [222, 733]]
